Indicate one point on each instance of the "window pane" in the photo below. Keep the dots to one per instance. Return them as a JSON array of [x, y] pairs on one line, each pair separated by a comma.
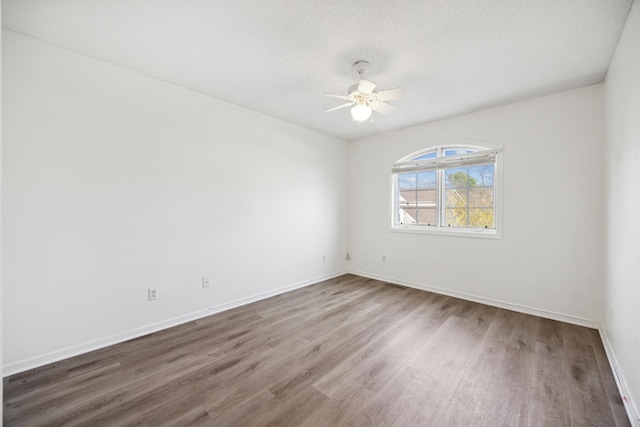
[[456, 217], [456, 198], [407, 180], [469, 207], [426, 198], [407, 197], [481, 218], [481, 197], [427, 179], [407, 216], [427, 216], [483, 175], [459, 178]]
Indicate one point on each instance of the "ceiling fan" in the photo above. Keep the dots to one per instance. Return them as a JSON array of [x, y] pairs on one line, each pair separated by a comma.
[[363, 98]]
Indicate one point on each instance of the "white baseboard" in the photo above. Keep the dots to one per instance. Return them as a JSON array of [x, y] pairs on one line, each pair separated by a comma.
[[628, 401], [488, 301], [76, 350], [269, 294]]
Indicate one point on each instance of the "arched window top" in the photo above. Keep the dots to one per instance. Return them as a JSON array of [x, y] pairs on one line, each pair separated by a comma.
[[447, 150], [446, 157]]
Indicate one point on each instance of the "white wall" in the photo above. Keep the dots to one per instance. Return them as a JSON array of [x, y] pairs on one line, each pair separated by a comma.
[[1, 173], [550, 256], [115, 182], [622, 203]]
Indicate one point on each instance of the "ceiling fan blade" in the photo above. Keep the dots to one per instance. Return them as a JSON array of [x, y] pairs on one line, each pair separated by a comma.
[[381, 107], [348, 104], [337, 96], [390, 94], [366, 87]]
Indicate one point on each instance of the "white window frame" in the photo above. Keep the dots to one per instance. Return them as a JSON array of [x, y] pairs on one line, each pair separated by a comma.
[[407, 164]]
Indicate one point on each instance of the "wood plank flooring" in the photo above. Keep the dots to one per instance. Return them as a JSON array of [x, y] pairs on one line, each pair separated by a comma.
[[349, 351]]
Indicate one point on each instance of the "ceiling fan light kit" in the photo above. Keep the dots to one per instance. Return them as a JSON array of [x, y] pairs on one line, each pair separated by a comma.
[[363, 99], [361, 111]]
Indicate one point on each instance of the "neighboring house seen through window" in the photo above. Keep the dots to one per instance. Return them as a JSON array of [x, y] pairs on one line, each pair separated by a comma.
[[448, 190]]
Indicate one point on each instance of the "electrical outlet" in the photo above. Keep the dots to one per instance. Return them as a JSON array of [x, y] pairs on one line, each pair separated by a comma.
[[384, 258], [205, 282], [324, 258], [153, 294]]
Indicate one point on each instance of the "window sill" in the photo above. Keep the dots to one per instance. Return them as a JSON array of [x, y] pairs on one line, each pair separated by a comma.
[[474, 233]]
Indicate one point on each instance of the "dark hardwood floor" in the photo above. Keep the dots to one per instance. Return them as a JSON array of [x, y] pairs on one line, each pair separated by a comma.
[[346, 352]]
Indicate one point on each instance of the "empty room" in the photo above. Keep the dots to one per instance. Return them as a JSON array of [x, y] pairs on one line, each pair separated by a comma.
[[322, 213]]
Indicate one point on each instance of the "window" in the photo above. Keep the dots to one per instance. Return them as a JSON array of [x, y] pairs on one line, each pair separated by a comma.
[[448, 190]]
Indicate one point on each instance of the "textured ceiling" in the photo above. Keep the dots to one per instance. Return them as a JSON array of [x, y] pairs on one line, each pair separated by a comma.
[[280, 56]]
